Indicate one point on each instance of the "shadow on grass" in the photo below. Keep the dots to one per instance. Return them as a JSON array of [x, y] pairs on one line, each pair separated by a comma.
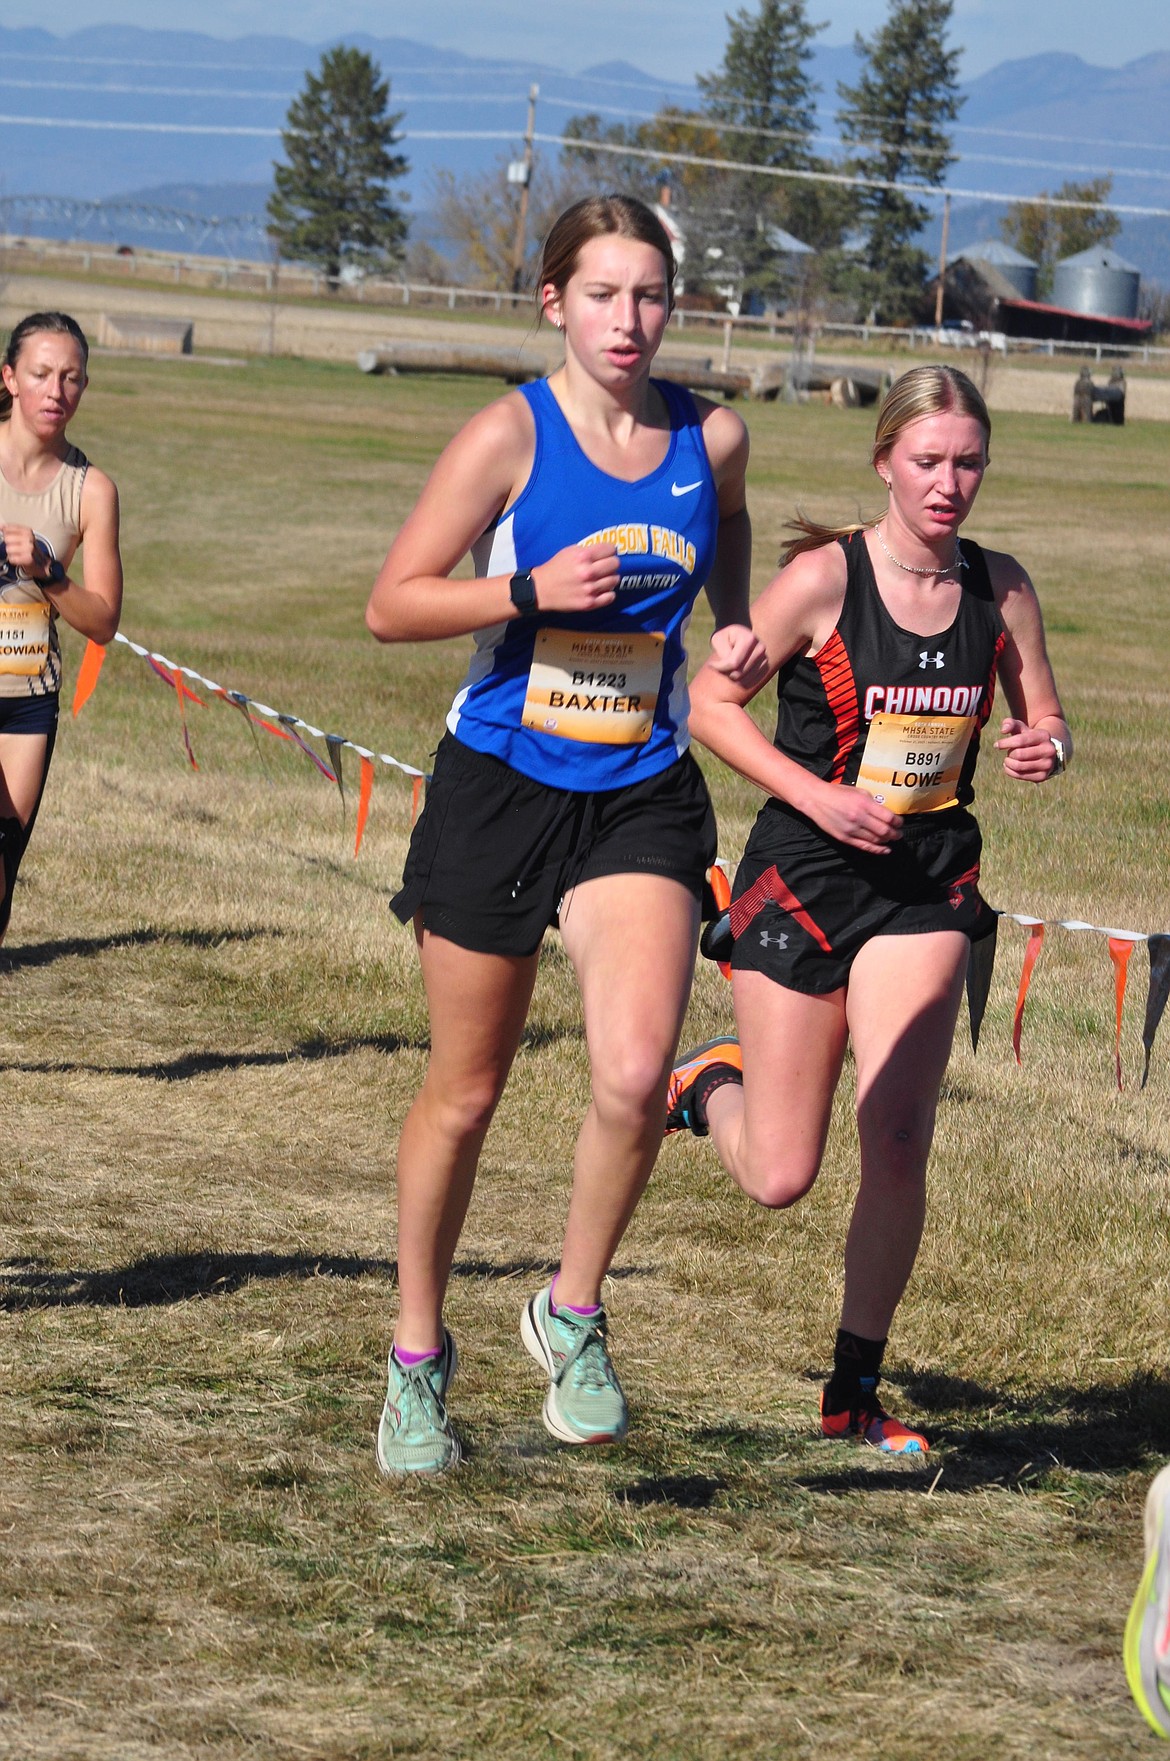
[[189, 1064], [684, 1491], [170, 1278], [989, 1436], [45, 953]]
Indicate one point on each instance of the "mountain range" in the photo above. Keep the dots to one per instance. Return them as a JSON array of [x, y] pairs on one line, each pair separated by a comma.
[[177, 118]]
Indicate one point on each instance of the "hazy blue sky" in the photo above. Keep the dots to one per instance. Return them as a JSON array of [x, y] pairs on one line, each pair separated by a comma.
[[674, 38]]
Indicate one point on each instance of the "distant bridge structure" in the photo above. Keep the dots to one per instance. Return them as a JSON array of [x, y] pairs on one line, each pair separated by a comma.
[[236, 235]]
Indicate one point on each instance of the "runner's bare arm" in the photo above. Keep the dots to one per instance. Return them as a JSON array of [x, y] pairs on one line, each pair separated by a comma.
[[796, 612], [735, 649], [477, 476], [1028, 682], [93, 605]]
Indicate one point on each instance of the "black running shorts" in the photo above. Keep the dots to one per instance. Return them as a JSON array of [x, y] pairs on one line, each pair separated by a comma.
[[494, 852], [803, 905]]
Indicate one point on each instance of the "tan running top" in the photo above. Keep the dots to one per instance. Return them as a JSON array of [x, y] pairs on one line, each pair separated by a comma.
[[30, 649]]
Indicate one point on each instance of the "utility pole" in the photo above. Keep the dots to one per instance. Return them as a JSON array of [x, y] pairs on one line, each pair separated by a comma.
[[520, 171], [942, 262]]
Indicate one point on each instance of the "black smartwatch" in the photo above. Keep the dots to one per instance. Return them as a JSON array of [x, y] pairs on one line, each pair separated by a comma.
[[54, 572], [523, 591]]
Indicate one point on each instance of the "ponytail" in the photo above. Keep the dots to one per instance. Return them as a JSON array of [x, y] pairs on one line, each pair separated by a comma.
[[810, 535]]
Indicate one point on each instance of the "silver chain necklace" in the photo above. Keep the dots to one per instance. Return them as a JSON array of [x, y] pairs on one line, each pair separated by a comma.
[[959, 562]]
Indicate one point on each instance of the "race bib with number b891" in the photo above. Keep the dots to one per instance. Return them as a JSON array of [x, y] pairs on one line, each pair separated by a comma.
[[912, 763]]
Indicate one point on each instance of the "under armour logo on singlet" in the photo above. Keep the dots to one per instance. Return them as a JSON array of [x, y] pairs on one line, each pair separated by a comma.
[[925, 659]]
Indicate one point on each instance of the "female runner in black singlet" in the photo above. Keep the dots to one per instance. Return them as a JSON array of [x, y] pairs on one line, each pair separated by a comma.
[[857, 899]]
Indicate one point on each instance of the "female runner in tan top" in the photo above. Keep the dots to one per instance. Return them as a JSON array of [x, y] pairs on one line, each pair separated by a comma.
[[52, 500]]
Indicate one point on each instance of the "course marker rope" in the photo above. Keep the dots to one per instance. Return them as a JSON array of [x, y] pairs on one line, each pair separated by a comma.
[[281, 723]]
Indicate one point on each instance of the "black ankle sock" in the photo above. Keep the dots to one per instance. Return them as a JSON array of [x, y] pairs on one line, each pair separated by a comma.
[[713, 1077], [855, 1360]]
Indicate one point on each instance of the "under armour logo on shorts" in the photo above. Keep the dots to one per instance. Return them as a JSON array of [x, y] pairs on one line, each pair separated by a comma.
[[767, 941]]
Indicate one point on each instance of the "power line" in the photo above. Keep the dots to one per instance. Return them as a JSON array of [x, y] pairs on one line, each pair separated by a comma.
[[1021, 134], [933, 191], [681, 118], [281, 97], [111, 90], [226, 129], [574, 143], [699, 122], [156, 128], [527, 69]]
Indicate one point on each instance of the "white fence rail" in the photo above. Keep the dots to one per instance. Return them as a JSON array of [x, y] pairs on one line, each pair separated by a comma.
[[290, 281]]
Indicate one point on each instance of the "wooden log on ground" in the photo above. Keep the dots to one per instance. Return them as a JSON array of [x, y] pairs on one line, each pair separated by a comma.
[[733, 383], [695, 372], [868, 384], [442, 357], [155, 336], [758, 382]]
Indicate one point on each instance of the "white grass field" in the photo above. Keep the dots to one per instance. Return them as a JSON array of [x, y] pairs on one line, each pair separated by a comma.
[[210, 1030]]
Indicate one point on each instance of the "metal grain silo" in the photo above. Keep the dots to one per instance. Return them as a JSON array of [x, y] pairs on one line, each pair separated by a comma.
[[1097, 282], [1015, 268]]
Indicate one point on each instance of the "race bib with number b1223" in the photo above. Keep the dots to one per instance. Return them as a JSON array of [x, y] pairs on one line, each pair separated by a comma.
[[912, 763], [597, 687]]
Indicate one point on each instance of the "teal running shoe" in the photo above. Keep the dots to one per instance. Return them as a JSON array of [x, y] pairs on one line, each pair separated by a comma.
[[584, 1403], [414, 1433], [1147, 1631]]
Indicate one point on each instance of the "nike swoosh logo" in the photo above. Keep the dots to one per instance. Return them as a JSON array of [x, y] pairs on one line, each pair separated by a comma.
[[685, 488]]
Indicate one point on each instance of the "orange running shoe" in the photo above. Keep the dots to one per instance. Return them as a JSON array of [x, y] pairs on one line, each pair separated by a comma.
[[681, 1111], [871, 1423]]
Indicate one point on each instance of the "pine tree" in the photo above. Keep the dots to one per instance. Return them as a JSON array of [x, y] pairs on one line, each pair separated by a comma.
[[895, 118], [331, 204], [764, 100]]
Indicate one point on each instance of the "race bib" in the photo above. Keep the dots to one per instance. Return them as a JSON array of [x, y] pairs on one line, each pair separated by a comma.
[[597, 687], [24, 639], [912, 763]]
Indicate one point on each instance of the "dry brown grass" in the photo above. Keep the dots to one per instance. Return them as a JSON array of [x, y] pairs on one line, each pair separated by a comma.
[[210, 1033]]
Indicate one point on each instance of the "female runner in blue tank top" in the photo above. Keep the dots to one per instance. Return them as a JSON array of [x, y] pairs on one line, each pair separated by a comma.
[[857, 900], [596, 505]]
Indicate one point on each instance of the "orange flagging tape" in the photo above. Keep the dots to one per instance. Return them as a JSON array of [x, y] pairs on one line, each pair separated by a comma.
[[721, 892], [1031, 955], [1119, 953], [365, 789], [87, 675], [181, 691]]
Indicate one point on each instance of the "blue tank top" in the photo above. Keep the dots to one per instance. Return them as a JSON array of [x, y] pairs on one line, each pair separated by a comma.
[[594, 700]]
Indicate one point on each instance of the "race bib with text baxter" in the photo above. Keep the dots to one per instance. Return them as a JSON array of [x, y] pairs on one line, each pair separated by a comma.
[[912, 763], [595, 686]]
